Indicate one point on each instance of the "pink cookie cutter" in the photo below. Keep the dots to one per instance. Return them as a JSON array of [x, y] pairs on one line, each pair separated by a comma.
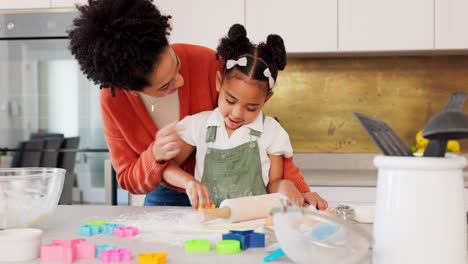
[[68, 250], [116, 255], [126, 231]]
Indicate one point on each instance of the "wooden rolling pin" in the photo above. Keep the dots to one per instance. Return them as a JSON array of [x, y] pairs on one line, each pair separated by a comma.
[[242, 209]]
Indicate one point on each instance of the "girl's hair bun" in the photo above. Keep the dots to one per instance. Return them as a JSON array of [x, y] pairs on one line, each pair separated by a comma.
[[275, 45], [237, 33], [235, 43], [270, 54]]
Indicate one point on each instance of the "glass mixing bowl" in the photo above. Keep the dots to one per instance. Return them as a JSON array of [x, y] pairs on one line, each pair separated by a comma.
[[29, 195], [310, 236]]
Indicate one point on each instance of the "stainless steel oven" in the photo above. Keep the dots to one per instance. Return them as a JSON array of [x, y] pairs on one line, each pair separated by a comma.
[[42, 90]]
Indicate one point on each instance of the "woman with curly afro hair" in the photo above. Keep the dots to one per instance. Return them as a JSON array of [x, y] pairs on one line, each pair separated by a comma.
[[147, 85]]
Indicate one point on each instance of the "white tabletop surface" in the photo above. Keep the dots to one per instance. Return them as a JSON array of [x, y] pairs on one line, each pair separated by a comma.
[[167, 237], [65, 222]]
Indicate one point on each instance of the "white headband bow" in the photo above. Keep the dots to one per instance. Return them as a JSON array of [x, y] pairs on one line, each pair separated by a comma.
[[267, 74], [231, 63], [243, 62]]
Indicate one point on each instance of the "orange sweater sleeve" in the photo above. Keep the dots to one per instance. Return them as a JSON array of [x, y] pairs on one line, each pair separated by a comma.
[[291, 172], [136, 173]]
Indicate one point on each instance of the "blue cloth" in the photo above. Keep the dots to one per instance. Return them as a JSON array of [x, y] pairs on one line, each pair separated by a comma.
[[163, 196]]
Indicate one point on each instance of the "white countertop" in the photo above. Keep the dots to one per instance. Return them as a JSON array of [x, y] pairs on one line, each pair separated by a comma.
[[66, 220]]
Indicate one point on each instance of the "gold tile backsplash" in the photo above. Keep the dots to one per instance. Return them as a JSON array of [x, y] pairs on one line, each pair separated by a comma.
[[314, 98]]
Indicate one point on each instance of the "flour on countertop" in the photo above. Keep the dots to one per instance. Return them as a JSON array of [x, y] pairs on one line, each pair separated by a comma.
[[175, 227]]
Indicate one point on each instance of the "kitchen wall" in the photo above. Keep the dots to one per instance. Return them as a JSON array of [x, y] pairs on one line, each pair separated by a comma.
[[314, 98]]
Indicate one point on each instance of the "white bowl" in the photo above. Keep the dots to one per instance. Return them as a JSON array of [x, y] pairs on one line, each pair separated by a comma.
[[20, 244], [310, 236], [28, 196]]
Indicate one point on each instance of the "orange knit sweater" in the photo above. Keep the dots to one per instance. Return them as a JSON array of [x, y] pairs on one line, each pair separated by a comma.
[[130, 131]]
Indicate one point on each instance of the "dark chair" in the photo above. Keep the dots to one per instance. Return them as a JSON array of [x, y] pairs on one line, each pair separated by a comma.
[[51, 158], [67, 160], [25, 158], [41, 135], [52, 141], [55, 159], [16, 158], [37, 158]]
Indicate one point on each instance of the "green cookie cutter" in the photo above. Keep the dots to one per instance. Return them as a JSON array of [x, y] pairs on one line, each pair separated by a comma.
[[98, 223], [197, 245], [228, 247]]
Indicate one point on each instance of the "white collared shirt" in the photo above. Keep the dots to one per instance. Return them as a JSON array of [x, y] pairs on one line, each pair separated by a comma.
[[274, 140]]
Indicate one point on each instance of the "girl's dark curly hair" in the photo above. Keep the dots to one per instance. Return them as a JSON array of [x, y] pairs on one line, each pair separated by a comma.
[[271, 54], [118, 42]]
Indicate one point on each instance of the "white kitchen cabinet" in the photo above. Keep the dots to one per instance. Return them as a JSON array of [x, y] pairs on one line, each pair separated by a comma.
[[201, 22], [349, 194], [451, 24], [22, 4], [305, 25], [385, 25], [66, 3]]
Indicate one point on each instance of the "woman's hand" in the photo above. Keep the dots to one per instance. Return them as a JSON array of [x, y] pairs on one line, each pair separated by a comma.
[[288, 188], [198, 194], [167, 143], [313, 199]]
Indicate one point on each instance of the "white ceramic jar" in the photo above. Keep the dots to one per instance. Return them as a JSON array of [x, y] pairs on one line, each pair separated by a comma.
[[420, 214]]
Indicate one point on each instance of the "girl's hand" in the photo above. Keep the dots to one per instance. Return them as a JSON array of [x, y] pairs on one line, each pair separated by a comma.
[[313, 199], [199, 195], [288, 188], [167, 143]]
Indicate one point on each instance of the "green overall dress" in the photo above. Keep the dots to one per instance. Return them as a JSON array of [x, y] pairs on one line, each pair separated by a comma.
[[235, 172]]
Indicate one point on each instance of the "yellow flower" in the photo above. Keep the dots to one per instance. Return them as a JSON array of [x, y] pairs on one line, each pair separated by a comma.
[[420, 141], [453, 146]]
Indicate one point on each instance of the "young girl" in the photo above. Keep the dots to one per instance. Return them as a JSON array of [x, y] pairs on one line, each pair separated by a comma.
[[239, 150]]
